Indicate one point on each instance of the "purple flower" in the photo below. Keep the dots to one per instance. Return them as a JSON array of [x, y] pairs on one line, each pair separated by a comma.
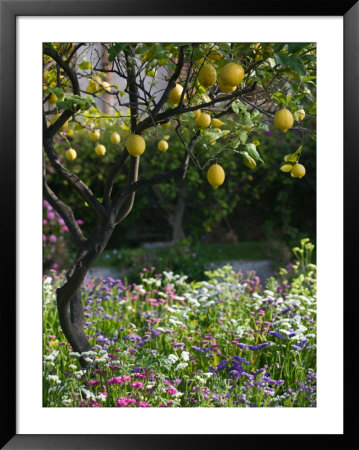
[[52, 238]]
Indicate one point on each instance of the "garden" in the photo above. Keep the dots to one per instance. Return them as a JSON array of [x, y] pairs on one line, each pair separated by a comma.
[[170, 166]]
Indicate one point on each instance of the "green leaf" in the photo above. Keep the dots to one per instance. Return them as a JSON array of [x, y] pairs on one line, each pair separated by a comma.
[[253, 153], [294, 47], [296, 64], [115, 50], [84, 65], [282, 58]]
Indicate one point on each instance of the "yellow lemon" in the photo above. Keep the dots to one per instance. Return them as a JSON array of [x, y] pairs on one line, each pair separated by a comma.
[[106, 86], [301, 115], [216, 123], [286, 168], [70, 154], [214, 56], [64, 126], [283, 119], [215, 175], [95, 135], [166, 124], [135, 145], [91, 88], [100, 150], [53, 99], [175, 94], [203, 120], [249, 162], [232, 74], [162, 146], [115, 138], [298, 170], [70, 132], [207, 75], [226, 88], [196, 114]]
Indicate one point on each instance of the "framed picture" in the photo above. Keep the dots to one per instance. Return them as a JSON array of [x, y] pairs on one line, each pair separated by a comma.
[[25, 26]]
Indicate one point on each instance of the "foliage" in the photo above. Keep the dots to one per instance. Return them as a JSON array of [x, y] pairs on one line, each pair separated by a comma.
[[56, 242]]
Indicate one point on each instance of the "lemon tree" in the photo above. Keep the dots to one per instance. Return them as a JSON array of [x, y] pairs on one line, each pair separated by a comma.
[[212, 99]]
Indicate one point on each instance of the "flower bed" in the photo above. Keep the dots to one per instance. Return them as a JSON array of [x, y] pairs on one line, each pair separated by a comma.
[[225, 342]]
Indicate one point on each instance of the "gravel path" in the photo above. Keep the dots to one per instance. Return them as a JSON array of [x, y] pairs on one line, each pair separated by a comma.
[[263, 269]]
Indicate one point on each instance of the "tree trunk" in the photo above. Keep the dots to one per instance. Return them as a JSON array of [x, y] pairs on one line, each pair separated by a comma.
[[69, 302], [177, 229]]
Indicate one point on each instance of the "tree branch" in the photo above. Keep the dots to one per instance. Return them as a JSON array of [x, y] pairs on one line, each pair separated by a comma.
[[74, 180], [111, 177], [128, 201]]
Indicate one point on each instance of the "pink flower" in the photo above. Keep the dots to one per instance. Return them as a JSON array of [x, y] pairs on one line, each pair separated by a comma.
[[172, 391], [144, 405], [63, 229], [50, 215], [126, 378], [136, 384], [80, 222], [44, 222], [52, 238], [116, 380], [131, 350]]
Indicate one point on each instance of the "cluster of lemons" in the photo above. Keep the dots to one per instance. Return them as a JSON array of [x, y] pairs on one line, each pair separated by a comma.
[[284, 120], [100, 149], [230, 78]]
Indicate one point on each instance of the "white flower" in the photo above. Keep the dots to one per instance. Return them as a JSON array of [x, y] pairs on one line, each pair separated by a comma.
[[208, 374], [72, 366], [75, 354], [79, 374], [185, 356], [172, 358], [88, 394], [54, 378], [181, 366], [101, 397]]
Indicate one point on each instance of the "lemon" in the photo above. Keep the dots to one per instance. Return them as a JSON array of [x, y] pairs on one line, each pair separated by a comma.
[[249, 162], [286, 168], [214, 56], [135, 145], [162, 145], [196, 114], [175, 94], [91, 88], [203, 120], [207, 75], [226, 88], [166, 124], [115, 138], [106, 86], [216, 123], [70, 132], [298, 171], [100, 150], [232, 74], [283, 119], [215, 175], [70, 154], [95, 135], [53, 99], [64, 126], [301, 115]]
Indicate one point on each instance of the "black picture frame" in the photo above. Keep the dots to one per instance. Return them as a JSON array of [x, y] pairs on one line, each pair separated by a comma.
[[9, 10]]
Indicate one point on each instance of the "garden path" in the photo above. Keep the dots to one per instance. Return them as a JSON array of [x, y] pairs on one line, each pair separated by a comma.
[[263, 268]]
